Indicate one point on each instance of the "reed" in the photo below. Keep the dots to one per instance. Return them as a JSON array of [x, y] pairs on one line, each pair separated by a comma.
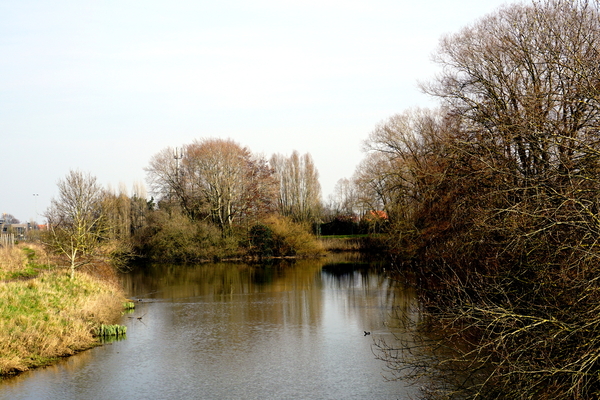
[[342, 243], [111, 330]]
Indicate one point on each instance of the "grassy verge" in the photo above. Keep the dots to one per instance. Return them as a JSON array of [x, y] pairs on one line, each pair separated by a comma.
[[22, 262], [45, 315]]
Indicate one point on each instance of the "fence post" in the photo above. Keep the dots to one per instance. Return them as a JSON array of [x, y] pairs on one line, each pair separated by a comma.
[[7, 239]]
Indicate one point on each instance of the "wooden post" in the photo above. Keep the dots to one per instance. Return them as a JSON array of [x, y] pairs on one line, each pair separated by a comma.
[[7, 239]]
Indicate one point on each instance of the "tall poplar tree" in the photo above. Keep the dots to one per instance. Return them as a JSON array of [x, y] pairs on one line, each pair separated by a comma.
[[299, 187]]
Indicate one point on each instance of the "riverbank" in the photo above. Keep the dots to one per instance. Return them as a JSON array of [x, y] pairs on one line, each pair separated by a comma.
[[238, 330], [44, 315]]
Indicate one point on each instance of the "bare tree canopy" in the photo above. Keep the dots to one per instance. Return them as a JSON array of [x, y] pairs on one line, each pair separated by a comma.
[[527, 79], [213, 179], [343, 200], [165, 178], [408, 158], [76, 218], [500, 205]]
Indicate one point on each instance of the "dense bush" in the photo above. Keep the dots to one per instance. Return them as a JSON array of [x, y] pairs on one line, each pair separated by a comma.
[[262, 242], [174, 237]]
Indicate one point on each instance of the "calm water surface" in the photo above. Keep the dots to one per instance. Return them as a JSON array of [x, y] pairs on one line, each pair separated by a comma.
[[233, 331]]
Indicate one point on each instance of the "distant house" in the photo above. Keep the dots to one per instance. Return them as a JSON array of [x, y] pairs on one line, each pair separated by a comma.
[[19, 230], [375, 215], [375, 220]]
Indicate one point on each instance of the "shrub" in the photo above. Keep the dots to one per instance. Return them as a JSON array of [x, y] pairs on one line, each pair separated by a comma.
[[262, 243], [174, 237], [292, 239]]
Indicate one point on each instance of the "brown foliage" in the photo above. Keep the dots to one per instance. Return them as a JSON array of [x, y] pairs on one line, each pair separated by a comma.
[[499, 206]]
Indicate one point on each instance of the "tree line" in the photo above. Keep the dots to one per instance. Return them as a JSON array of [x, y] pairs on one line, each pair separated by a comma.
[[223, 182], [212, 199]]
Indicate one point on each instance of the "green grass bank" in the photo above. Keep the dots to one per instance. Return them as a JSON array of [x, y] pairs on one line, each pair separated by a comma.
[[45, 315]]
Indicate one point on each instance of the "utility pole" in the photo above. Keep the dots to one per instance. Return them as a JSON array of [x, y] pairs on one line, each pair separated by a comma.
[[178, 156]]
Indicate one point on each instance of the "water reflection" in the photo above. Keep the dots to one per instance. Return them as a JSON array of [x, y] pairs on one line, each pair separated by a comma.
[[288, 330]]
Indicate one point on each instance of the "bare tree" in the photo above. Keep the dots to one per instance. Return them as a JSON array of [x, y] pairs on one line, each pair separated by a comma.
[[408, 158], [526, 77], [10, 219], [260, 191], [215, 180], [75, 219], [373, 179], [343, 198], [299, 187], [216, 174], [168, 181], [124, 214]]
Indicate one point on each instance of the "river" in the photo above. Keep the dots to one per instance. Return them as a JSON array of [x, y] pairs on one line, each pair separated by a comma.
[[292, 330]]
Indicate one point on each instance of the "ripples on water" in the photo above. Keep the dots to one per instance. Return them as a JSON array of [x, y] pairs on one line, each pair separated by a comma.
[[233, 331]]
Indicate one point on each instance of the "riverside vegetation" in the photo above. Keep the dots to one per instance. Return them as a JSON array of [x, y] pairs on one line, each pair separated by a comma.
[[45, 314], [494, 201], [489, 204], [49, 311]]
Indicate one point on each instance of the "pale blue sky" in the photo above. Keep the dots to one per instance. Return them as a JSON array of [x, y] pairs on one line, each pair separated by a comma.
[[101, 86]]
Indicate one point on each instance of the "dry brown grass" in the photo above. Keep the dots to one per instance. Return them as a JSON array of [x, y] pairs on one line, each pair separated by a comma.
[[23, 260], [341, 243], [293, 239], [11, 259]]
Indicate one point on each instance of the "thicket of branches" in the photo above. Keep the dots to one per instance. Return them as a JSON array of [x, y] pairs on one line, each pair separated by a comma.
[[495, 203]]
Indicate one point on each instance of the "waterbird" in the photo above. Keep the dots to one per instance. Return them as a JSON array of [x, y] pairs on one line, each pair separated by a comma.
[[367, 333]]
